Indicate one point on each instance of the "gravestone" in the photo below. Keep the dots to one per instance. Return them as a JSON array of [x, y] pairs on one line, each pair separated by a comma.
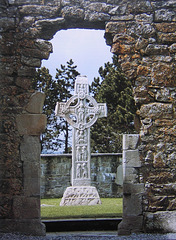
[[81, 111]]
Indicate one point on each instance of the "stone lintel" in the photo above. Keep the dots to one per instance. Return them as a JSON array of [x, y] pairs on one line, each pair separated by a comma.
[[80, 195]]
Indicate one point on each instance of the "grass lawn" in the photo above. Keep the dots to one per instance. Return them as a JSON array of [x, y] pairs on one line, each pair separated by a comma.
[[110, 207]]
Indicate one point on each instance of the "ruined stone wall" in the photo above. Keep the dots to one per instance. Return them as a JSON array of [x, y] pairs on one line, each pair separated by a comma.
[[105, 174], [142, 34]]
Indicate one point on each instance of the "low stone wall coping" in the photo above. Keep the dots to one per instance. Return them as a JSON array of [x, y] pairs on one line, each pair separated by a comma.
[[69, 154]]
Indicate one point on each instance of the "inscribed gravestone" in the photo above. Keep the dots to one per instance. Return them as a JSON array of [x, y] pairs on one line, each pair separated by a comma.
[[81, 111]]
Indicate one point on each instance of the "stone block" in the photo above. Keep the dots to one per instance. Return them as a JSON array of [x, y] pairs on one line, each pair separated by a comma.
[[133, 188], [167, 38], [36, 102], [164, 15], [23, 82], [80, 195], [32, 187], [163, 74], [132, 205], [116, 27], [156, 49], [156, 110], [31, 62], [33, 10], [26, 207], [131, 158], [32, 227], [30, 149], [31, 124], [162, 222], [130, 141], [31, 169], [130, 224], [130, 175]]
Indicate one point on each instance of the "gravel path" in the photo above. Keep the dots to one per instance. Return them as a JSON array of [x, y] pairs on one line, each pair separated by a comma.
[[91, 236]]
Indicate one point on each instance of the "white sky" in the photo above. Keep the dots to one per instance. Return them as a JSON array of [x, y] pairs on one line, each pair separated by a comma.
[[87, 49]]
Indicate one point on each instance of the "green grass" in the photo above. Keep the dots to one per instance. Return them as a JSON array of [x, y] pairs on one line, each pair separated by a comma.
[[110, 207]]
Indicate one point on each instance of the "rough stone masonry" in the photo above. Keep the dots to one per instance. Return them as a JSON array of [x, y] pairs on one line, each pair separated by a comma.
[[143, 35]]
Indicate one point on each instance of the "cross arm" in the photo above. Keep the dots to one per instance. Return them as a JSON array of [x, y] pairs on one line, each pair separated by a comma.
[[102, 110], [60, 109]]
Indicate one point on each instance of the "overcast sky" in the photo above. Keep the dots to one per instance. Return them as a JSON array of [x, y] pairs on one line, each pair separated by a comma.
[[87, 49]]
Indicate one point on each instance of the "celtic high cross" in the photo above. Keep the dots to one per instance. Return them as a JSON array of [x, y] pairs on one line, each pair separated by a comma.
[[81, 111]]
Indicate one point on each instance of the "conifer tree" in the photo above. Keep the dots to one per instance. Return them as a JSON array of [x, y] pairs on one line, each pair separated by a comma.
[[56, 90], [116, 90]]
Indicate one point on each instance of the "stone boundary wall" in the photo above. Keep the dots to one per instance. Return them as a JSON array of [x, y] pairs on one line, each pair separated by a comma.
[[106, 174]]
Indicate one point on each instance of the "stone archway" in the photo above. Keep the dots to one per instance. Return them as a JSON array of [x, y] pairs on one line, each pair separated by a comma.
[[142, 34]]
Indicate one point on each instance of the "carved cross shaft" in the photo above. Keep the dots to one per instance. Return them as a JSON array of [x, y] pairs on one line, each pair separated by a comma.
[[81, 111]]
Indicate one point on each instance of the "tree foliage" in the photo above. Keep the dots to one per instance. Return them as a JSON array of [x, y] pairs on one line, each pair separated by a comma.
[[56, 90], [116, 90]]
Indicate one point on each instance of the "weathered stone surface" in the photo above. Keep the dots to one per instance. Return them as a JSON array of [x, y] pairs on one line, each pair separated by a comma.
[[29, 227], [130, 224], [99, 7], [21, 206], [72, 13], [30, 149], [167, 38], [157, 110], [163, 222], [116, 27], [132, 205], [166, 27], [36, 10], [80, 195], [24, 82], [144, 17], [130, 141], [164, 15], [172, 48], [6, 24], [143, 29], [130, 188], [92, 17], [154, 49], [36, 102], [131, 158], [31, 124], [46, 28], [31, 62], [122, 48], [163, 74]]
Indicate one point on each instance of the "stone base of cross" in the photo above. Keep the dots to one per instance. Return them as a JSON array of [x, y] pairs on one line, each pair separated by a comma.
[[80, 195], [81, 111]]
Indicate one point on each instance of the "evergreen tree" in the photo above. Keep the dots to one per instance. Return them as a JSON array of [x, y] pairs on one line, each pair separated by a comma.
[[56, 90], [65, 81], [116, 90]]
